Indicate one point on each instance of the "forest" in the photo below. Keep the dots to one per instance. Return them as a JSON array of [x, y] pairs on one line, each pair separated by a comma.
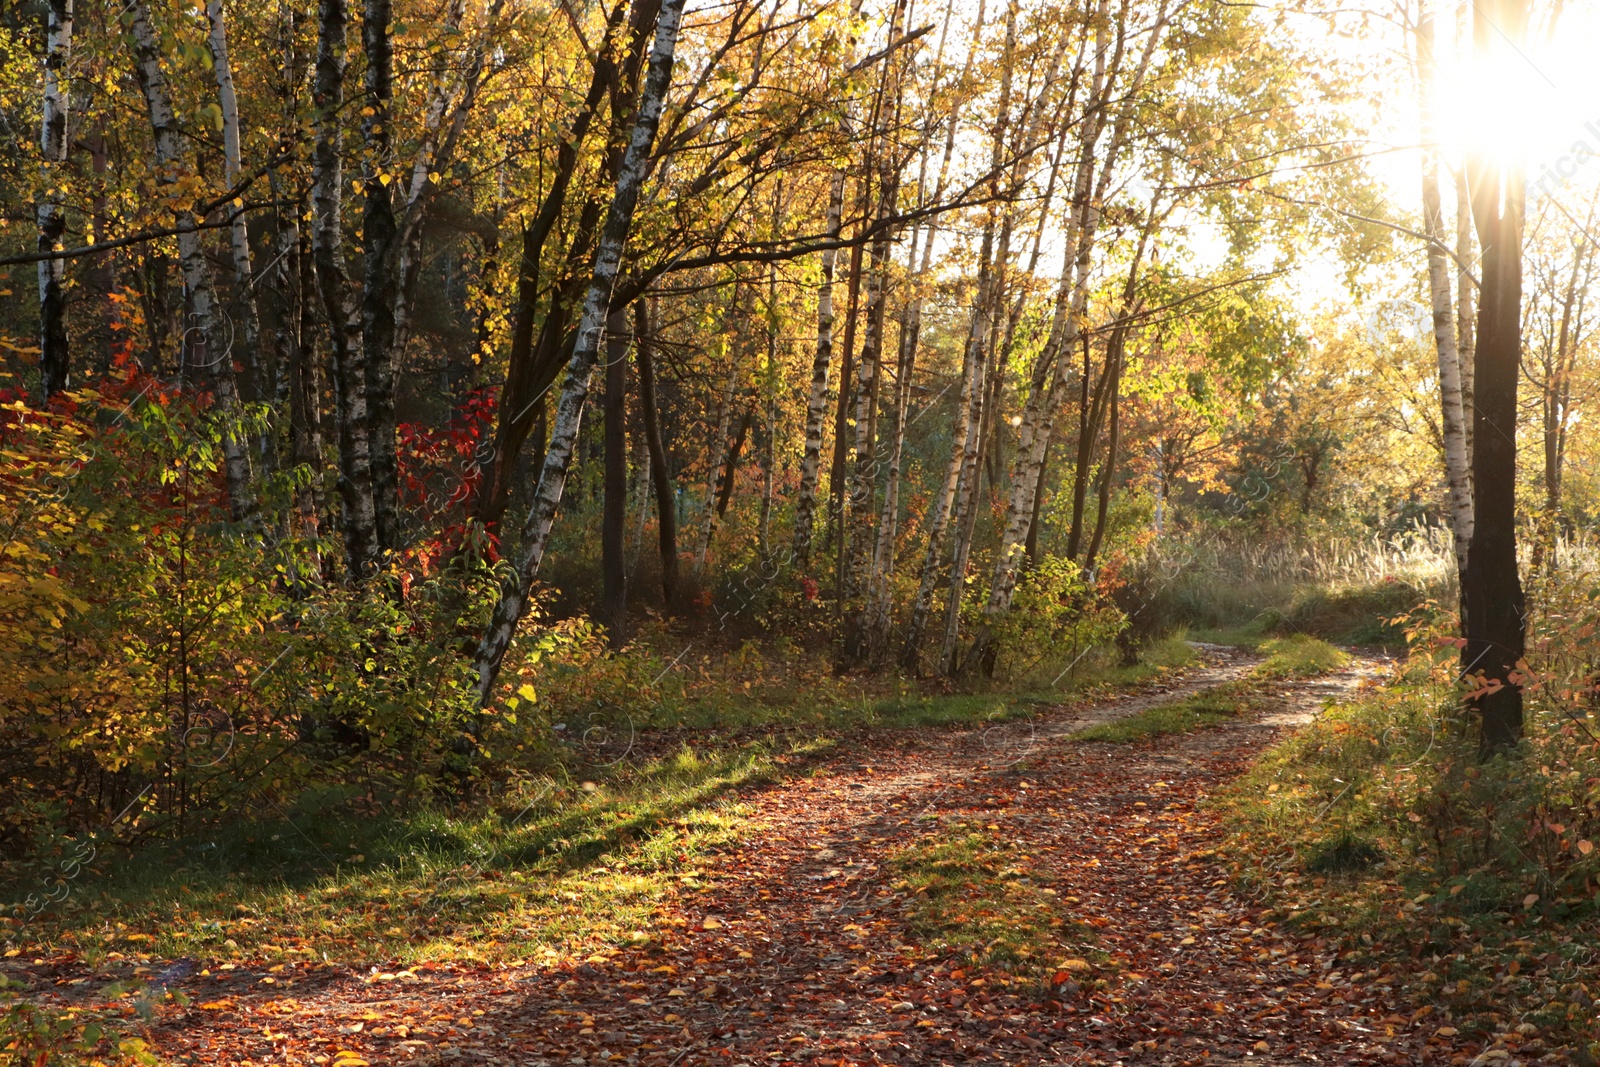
[[820, 532]]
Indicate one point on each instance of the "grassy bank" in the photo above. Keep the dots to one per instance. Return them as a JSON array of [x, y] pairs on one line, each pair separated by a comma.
[[585, 854], [1475, 884]]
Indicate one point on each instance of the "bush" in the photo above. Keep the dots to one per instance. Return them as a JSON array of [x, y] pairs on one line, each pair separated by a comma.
[[34, 1036], [161, 666], [1410, 839], [1057, 615]]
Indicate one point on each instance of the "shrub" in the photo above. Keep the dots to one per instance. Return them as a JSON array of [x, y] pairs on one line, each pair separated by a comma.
[[1057, 614]]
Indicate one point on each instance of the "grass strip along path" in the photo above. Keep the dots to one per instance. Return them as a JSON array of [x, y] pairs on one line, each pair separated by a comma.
[[1021, 894]]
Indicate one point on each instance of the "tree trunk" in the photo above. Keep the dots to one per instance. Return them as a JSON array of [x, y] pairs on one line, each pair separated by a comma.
[[358, 520], [1466, 286], [863, 471], [613, 521], [533, 368], [730, 466], [244, 298], [1494, 607], [967, 503], [1457, 462], [55, 361], [769, 393], [215, 355], [939, 517], [1018, 539], [969, 407], [378, 280], [1089, 409], [880, 580], [994, 261], [841, 416], [817, 400], [1031, 550], [304, 378], [1108, 469], [514, 593], [709, 510], [1466, 299], [660, 475]]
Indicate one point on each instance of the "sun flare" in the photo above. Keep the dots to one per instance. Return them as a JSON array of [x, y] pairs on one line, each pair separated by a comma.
[[1535, 104]]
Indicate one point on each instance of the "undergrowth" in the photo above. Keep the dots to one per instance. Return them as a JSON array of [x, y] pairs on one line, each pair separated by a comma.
[[585, 851], [36, 1036], [1380, 822]]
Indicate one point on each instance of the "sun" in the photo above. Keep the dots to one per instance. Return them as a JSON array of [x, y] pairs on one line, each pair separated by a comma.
[[1532, 105]]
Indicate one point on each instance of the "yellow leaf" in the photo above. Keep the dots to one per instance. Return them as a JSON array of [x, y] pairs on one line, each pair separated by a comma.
[[1585, 847]]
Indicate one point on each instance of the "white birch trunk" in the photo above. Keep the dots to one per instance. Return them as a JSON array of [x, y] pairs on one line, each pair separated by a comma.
[[990, 293], [343, 314], [862, 477], [880, 580], [1038, 425], [939, 517], [238, 231], [216, 356], [514, 593], [1457, 463], [972, 390], [817, 400], [966, 509], [54, 355]]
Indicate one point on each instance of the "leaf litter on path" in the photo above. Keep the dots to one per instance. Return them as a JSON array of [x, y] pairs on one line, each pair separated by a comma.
[[799, 944]]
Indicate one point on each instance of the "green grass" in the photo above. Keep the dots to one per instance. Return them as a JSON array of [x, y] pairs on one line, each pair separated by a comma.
[[1287, 657], [1250, 637], [1174, 717], [555, 866], [978, 897], [560, 863], [1379, 827], [1299, 656]]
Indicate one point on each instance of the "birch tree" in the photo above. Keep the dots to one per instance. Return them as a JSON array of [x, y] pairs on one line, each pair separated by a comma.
[[211, 351], [358, 518], [54, 356], [1457, 463], [244, 299], [513, 600]]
